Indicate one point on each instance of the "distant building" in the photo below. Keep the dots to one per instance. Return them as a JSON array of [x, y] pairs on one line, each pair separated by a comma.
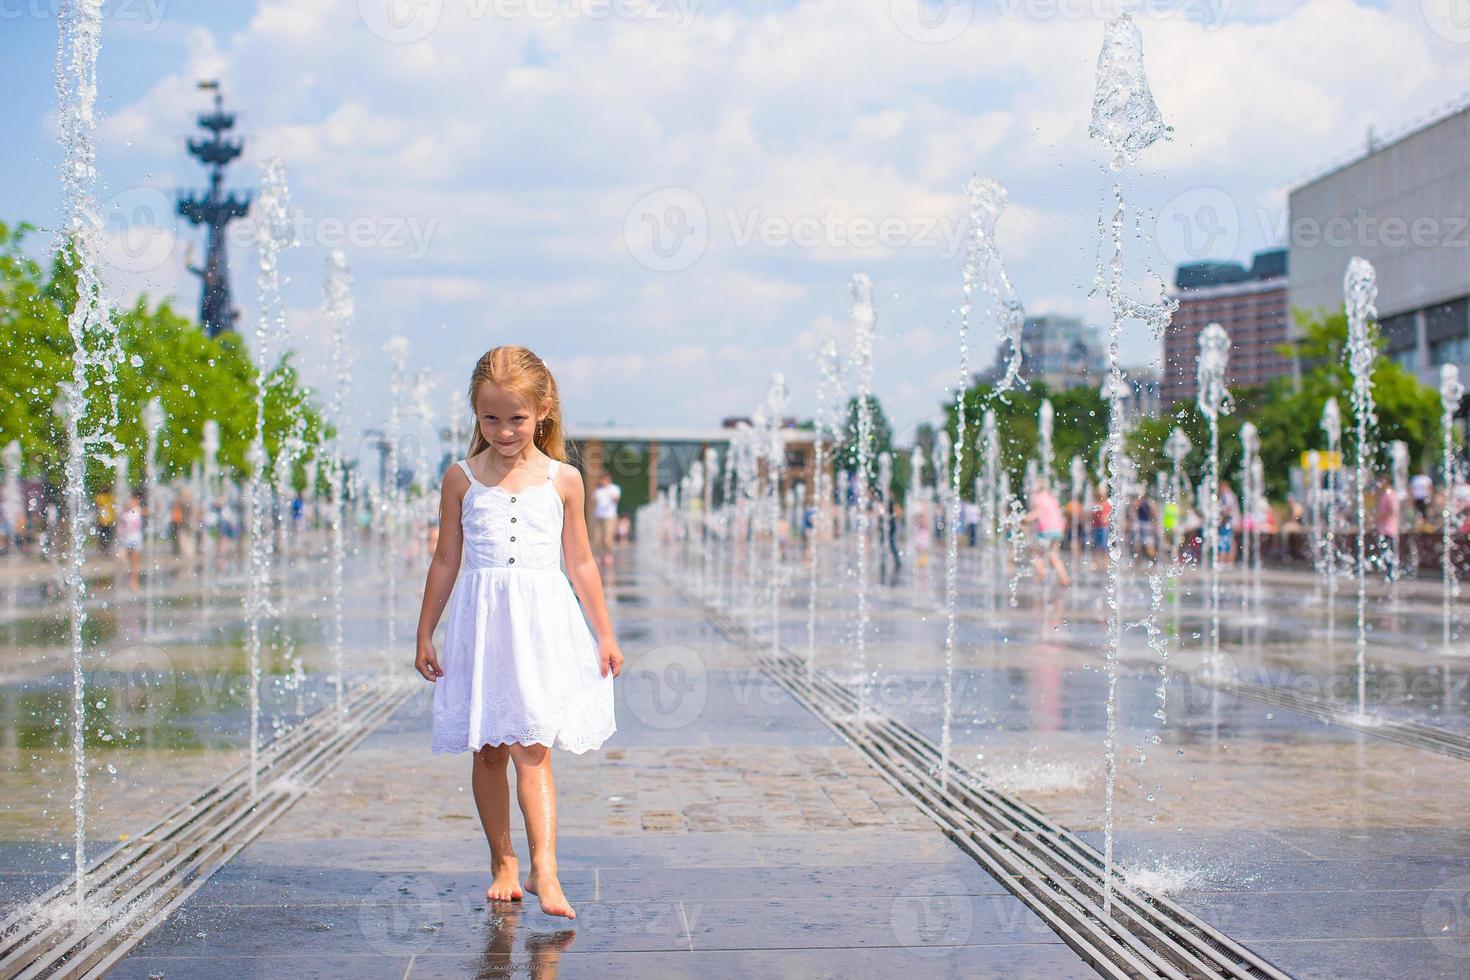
[[1251, 304], [1404, 208], [1060, 352]]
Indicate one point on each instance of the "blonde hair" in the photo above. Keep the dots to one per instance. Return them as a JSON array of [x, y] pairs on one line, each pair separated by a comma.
[[517, 369]]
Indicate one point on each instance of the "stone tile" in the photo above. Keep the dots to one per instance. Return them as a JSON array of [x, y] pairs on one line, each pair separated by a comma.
[[1253, 917], [264, 967], [1367, 959], [968, 962], [903, 919], [393, 923]]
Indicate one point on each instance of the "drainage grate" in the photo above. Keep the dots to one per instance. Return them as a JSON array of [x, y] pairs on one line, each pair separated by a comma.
[[139, 883], [1052, 870]]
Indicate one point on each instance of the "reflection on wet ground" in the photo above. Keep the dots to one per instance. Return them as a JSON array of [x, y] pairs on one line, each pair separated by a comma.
[[1328, 850]]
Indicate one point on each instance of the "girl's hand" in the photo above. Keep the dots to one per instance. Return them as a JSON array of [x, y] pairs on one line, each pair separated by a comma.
[[427, 661], [609, 657]]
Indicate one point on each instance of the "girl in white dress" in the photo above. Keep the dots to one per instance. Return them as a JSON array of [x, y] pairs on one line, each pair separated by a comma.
[[521, 671]]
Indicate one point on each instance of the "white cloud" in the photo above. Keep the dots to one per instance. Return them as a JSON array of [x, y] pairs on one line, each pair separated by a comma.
[[526, 168]]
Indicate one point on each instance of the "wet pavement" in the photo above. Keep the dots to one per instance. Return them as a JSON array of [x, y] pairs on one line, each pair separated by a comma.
[[725, 831]]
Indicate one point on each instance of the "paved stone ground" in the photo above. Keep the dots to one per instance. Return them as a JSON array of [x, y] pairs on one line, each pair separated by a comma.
[[722, 832]]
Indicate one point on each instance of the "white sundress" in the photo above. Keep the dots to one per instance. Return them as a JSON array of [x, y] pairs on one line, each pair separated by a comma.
[[519, 661]]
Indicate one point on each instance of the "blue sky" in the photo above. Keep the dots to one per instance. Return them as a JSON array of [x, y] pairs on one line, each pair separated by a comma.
[[502, 166]]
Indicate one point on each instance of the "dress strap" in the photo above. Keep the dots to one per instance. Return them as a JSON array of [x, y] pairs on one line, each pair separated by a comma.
[[464, 464], [551, 470]]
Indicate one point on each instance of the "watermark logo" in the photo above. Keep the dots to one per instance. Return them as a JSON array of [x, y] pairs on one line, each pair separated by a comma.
[[140, 229], [932, 915], [1198, 224], [1446, 917], [1450, 19], [932, 21], [400, 21], [667, 688], [408, 21], [147, 13], [402, 914], [667, 230]]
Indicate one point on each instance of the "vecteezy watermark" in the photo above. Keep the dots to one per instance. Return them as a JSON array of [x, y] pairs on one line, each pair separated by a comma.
[[669, 229], [1367, 231], [408, 233], [1450, 19], [1446, 917], [666, 688], [1198, 224], [933, 915], [1205, 223], [401, 915], [938, 21], [140, 228], [1209, 14], [148, 13], [932, 21], [407, 21], [141, 231]]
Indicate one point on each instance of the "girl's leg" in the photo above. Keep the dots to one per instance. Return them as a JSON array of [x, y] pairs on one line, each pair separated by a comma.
[[492, 799], [536, 791], [1054, 550]]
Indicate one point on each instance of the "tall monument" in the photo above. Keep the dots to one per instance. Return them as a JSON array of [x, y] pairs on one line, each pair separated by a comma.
[[215, 209]]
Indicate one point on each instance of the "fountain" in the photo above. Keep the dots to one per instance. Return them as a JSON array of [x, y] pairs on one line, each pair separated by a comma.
[[1077, 488], [1125, 119], [391, 492], [1398, 455], [886, 529], [1332, 428], [990, 506], [152, 426], [1213, 400], [864, 321], [1045, 421], [1451, 393], [828, 389], [337, 303], [96, 355], [1250, 447], [209, 545], [984, 266], [270, 331], [1314, 517], [10, 500], [1360, 293], [1177, 447], [1261, 505], [706, 524], [758, 452], [948, 491], [775, 450]]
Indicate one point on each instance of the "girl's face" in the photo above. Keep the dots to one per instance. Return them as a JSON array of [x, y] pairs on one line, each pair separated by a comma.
[[507, 420]]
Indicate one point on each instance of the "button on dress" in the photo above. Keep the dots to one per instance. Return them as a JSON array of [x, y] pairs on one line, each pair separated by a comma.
[[519, 661]]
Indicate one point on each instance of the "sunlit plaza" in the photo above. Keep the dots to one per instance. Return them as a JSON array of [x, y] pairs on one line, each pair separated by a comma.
[[1016, 576]]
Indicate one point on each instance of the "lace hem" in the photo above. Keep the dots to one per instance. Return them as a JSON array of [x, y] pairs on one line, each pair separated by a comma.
[[539, 735]]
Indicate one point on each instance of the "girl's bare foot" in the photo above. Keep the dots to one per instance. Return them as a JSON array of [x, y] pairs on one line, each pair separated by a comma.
[[547, 889], [505, 887]]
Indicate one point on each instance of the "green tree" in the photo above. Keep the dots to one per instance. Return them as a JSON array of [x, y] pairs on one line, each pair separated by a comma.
[[1080, 424], [845, 453], [165, 355], [1289, 415]]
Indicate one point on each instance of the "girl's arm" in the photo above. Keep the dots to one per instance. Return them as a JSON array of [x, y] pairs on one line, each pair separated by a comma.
[[443, 570], [582, 568]]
